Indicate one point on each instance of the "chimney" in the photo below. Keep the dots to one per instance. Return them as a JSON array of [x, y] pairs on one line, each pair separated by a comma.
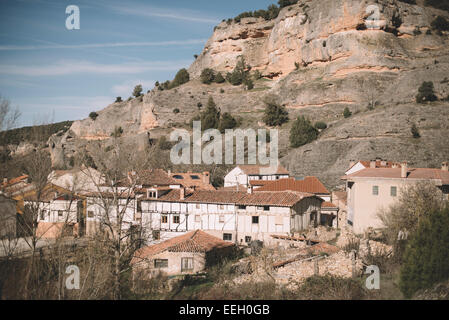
[[372, 164], [206, 177], [182, 193], [404, 169], [445, 166], [351, 163]]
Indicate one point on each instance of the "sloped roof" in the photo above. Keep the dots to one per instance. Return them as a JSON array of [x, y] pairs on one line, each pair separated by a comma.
[[367, 164], [309, 184], [395, 173], [281, 199], [195, 241], [156, 177], [193, 180], [250, 169]]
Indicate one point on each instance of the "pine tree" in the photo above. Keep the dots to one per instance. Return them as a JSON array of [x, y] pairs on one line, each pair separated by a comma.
[[274, 114], [137, 92], [302, 132], [210, 118], [227, 121]]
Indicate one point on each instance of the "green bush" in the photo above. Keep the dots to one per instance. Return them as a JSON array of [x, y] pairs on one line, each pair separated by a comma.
[[440, 23], [426, 258], [176, 111], [118, 131], [286, 3], [426, 93], [274, 114], [415, 132], [227, 121], [219, 78], [347, 113], [137, 92], [118, 99], [239, 74], [302, 132], [93, 116], [321, 125], [181, 77], [207, 76], [164, 144]]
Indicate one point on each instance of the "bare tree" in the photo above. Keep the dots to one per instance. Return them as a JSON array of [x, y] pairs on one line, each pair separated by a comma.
[[8, 115], [115, 203]]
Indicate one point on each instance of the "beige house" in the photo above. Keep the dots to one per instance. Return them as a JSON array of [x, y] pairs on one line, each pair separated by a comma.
[[372, 189], [189, 253]]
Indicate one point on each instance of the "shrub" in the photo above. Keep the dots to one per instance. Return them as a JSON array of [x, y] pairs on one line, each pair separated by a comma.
[[439, 4], [207, 76], [137, 92], [181, 77], [331, 287], [240, 73], [321, 125], [249, 84], [176, 111], [426, 259], [219, 78], [118, 131], [227, 121], [222, 91], [286, 3], [257, 75], [415, 132], [274, 114], [93, 116], [199, 105], [164, 144], [302, 132], [426, 93], [440, 23], [347, 113], [118, 99]]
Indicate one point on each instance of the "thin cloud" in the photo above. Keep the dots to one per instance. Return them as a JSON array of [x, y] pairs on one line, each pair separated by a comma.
[[103, 45], [150, 11], [70, 67]]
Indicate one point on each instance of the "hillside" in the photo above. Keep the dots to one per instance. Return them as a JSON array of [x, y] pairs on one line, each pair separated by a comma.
[[317, 57]]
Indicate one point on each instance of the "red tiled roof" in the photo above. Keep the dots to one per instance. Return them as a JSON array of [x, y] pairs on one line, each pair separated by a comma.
[[281, 199], [328, 205], [250, 169], [412, 173], [309, 184], [195, 241]]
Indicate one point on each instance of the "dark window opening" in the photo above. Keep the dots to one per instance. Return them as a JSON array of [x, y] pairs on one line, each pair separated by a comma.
[[161, 263], [227, 236]]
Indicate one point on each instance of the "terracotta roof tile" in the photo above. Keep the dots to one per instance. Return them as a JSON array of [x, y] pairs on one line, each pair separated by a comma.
[[195, 241], [412, 173], [309, 184], [193, 180]]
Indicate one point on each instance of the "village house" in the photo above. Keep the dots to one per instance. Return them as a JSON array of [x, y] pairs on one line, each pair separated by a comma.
[[242, 175], [15, 186], [239, 217], [355, 166], [329, 211], [372, 189], [189, 253], [8, 218]]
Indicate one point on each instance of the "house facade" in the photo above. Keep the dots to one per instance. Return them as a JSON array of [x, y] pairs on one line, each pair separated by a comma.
[[243, 174], [373, 189]]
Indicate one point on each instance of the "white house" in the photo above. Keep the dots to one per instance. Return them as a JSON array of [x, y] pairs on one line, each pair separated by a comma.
[[243, 174]]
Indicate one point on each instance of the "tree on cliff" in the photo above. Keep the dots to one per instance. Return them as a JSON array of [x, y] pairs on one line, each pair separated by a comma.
[[426, 93], [207, 76], [210, 117], [181, 77], [274, 114], [302, 132], [137, 92]]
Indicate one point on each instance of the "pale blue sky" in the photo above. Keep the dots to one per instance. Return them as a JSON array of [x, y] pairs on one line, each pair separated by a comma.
[[53, 74]]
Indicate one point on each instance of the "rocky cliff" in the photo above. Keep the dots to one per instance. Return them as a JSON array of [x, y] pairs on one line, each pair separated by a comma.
[[317, 58]]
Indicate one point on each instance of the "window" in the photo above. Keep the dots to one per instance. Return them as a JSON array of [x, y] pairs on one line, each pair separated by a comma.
[[266, 208], [178, 177], [227, 236], [161, 263], [248, 239], [375, 190], [152, 194], [60, 213], [186, 264], [197, 218], [90, 214], [43, 212], [221, 219], [195, 177], [164, 219], [176, 219], [260, 208], [242, 207], [255, 220], [394, 191]]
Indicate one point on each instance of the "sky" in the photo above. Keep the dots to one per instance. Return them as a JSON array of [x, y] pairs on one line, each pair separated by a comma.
[[54, 74]]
